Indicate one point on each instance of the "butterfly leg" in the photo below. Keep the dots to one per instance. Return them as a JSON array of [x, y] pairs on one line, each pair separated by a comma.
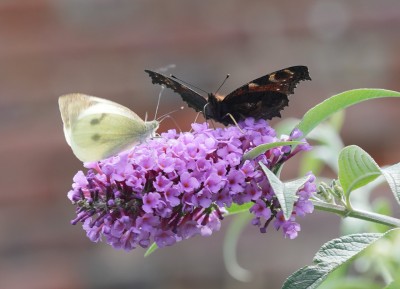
[[197, 116], [213, 124], [205, 116], [234, 121]]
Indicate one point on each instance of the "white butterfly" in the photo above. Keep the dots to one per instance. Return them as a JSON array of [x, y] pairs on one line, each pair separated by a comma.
[[97, 128]]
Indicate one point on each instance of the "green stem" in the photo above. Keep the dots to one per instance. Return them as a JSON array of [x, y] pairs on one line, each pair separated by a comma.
[[358, 214]]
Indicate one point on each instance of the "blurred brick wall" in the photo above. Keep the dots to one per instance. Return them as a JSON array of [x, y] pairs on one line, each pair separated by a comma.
[[101, 47]]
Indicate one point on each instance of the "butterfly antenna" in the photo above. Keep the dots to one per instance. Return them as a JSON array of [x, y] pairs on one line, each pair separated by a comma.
[[173, 120], [223, 82], [161, 118], [173, 76], [159, 100]]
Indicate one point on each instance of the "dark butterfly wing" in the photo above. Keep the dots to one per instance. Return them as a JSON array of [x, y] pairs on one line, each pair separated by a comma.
[[192, 98], [264, 97], [284, 81]]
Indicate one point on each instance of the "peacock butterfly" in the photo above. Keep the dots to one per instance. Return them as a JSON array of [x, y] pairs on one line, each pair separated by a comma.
[[263, 97]]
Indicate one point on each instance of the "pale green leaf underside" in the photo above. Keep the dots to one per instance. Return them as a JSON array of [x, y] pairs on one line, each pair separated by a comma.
[[392, 176], [284, 192], [278, 187], [289, 195], [331, 255]]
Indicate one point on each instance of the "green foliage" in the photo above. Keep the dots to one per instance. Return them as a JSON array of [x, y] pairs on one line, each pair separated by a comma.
[[338, 102], [392, 175], [237, 209], [151, 249], [331, 256], [356, 168], [251, 154]]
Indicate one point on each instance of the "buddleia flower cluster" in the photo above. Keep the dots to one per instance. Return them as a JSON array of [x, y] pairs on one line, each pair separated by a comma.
[[178, 185]]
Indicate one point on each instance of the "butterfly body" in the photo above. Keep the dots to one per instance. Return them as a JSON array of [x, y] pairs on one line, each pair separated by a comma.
[[263, 97], [97, 128]]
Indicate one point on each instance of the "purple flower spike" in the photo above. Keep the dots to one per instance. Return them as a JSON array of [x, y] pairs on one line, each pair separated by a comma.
[[177, 186]]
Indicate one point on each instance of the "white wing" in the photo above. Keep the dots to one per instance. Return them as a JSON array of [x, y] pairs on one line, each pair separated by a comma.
[[97, 128]]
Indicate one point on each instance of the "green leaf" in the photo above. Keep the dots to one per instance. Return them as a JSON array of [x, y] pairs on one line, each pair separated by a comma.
[[151, 249], [332, 255], [392, 176], [338, 102], [350, 283], [285, 192], [356, 168], [337, 120], [255, 152]]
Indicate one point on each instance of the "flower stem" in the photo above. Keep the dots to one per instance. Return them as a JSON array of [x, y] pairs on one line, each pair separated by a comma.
[[358, 214]]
